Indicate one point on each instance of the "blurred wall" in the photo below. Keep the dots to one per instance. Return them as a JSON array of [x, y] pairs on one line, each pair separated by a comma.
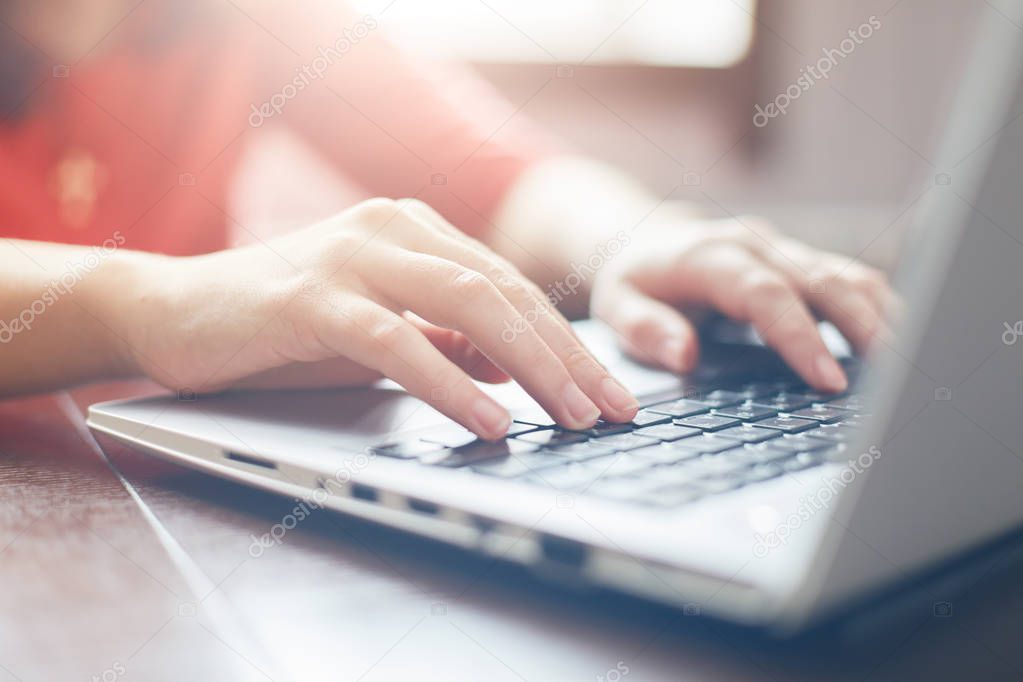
[[840, 169], [836, 169]]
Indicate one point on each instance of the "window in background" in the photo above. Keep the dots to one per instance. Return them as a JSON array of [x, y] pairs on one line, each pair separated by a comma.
[[693, 33]]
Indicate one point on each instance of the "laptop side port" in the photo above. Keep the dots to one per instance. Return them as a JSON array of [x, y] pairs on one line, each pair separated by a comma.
[[361, 491], [563, 553], [483, 524], [250, 459], [422, 506]]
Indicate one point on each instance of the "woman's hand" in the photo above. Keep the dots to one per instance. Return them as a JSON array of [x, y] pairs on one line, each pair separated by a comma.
[[384, 289], [748, 271]]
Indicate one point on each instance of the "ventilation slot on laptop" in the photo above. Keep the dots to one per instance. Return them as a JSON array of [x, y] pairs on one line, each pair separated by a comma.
[[562, 552], [364, 492], [422, 506], [250, 459]]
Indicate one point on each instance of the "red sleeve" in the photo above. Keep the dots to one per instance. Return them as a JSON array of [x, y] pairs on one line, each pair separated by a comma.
[[397, 124]]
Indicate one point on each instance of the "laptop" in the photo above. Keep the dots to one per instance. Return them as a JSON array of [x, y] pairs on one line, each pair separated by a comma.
[[737, 493]]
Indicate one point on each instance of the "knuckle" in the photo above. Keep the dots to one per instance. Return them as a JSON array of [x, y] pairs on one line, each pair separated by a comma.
[[576, 357], [468, 286], [420, 209], [763, 285], [341, 244], [512, 287], [378, 209], [413, 204], [865, 276], [388, 332]]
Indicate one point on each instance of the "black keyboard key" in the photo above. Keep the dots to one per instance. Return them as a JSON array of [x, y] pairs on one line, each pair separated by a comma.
[[835, 433], [477, 451], [704, 443], [747, 411], [759, 389], [786, 402], [786, 424], [605, 428], [816, 397], [623, 442], [761, 453], [660, 454], [667, 432], [570, 477], [663, 454], [852, 402], [518, 465], [615, 466], [720, 398], [680, 408], [822, 413], [800, 442], [579, 452], [708, 422], [411, 448], [747, 433], [552, 437], [646, 418]]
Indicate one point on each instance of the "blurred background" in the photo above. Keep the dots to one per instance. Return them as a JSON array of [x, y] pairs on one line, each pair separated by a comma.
[[666, 89]]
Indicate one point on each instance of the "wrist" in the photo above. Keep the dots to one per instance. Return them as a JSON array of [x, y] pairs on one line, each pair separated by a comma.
[[123, 296]]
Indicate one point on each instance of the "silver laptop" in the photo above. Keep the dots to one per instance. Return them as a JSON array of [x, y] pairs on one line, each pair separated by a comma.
[[738, 493]]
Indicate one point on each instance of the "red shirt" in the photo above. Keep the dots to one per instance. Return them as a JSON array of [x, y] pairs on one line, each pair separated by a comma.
[[144, 137]]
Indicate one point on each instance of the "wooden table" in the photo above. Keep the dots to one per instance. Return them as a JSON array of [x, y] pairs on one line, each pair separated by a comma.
[[117, 566]]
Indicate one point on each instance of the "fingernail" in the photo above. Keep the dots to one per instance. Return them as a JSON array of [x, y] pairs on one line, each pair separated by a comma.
[[579, 406], [830, 374], [670, 354], [616, 395], [490, 419]]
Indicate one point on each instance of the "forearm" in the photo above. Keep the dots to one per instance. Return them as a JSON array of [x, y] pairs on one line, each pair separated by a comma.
[[58, 309], [565, 218]]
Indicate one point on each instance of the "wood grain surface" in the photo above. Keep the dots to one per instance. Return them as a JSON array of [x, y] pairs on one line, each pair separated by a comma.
[[115, 566]]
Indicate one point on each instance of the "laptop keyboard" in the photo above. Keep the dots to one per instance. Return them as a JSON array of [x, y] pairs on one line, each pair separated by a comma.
[[682, 446]]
